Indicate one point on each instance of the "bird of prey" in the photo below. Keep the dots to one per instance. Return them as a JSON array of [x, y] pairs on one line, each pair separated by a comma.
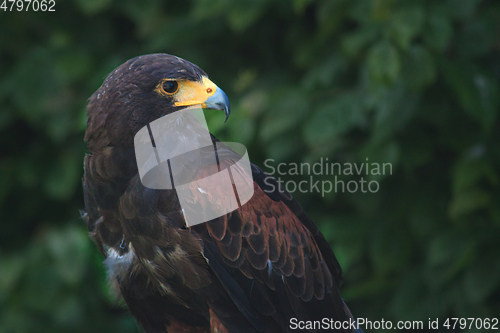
[[264, 267]]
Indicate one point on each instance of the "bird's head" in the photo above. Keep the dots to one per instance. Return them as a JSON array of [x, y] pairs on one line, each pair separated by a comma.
[[142, 90]]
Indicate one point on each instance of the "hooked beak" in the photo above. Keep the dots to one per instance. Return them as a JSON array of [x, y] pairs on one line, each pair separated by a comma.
[[218, 101]]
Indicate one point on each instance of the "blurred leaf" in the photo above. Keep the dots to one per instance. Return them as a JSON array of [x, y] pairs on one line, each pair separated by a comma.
[[462, 9], [6, 118], [478, 94], [245, 80], [438, 32], [417, 151], [406, 23], [74, 65], [414, 301], [381, 10], [465, 202], [348, 243], [242, 130], [482, 278], [447, 254], [469, 171], [325, 74], [93, 6], [418, 68], [69, 312], [12, 268], [69, 250], [34, 74], [209, 8], [300, 5], [42, 290], [353, 43], [64, 175], [334, 118], [283, 146], [390, 250], [284, 115], [243, 13], [384, 154], [477, 38], [394, 108], [384, 63]]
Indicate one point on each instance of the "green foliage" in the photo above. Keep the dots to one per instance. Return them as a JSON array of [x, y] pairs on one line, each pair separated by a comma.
[[414, 83]]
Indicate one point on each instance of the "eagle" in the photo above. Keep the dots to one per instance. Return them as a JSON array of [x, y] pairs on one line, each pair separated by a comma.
[[264, 267]]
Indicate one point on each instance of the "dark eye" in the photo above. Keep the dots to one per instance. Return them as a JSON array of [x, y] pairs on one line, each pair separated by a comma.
[[170, 87]]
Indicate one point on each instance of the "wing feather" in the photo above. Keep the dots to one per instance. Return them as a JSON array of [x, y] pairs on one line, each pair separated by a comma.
[[278, 257]]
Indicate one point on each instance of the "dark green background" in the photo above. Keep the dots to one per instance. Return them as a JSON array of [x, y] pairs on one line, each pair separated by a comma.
[[412, 83]]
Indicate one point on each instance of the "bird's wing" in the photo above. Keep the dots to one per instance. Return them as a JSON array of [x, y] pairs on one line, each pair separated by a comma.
[[252, 270], [272, 260]]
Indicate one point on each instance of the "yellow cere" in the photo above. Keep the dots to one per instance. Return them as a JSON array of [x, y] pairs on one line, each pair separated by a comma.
[[192, 93]]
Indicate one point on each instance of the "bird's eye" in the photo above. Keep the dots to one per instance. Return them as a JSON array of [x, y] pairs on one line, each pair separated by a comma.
[[170, 87]]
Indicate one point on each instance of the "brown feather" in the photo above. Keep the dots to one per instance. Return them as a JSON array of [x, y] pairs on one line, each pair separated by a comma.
[[249, 271]]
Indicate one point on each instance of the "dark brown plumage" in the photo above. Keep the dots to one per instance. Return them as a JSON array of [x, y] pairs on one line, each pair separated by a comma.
[[249, 271]]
